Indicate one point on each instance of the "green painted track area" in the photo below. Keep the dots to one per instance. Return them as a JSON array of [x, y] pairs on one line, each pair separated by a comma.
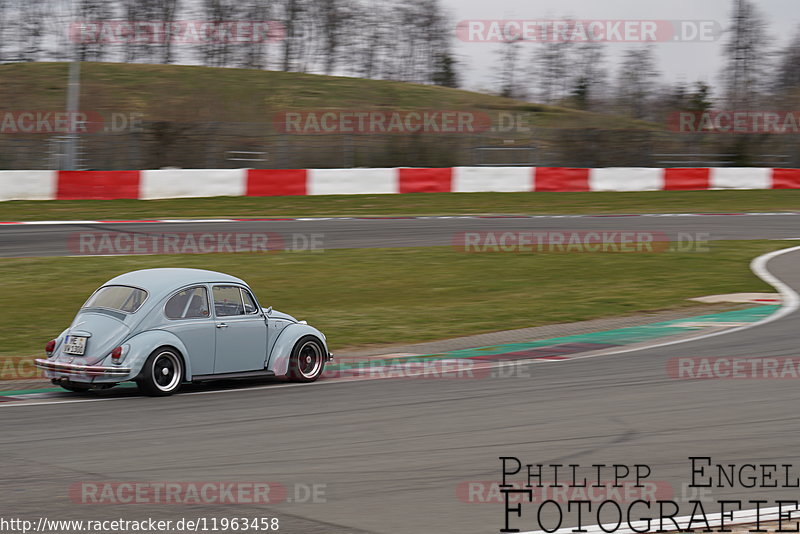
[[560, 348]]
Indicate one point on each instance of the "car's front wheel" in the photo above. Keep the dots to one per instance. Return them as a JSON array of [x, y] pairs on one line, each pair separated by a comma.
[[162, 374], [307, 360]]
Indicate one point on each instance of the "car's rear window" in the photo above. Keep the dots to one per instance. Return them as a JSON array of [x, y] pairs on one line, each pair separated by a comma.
[[122, 298]]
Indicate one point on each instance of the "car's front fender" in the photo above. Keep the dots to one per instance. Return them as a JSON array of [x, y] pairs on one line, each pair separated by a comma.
[[143, 344], [287, 339]]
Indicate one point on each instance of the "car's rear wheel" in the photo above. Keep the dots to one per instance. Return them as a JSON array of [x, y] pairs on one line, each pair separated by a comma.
[[307, 360], [162, 373]]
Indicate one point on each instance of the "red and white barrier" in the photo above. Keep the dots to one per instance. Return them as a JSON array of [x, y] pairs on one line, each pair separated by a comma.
[[740, 178], [346, 182], [626, 179], [184, 183], [500, 179], [28, 185]]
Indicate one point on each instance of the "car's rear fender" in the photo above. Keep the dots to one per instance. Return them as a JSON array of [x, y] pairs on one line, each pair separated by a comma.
[[59, 340], [143, 344], [287, 339]]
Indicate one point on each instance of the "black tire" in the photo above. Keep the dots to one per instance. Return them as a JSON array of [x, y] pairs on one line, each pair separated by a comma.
[[162, 374], [307, 360]]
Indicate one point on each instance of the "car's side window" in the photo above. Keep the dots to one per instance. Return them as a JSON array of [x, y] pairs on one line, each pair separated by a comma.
[[189, 303], [228, 301], [249, 302]]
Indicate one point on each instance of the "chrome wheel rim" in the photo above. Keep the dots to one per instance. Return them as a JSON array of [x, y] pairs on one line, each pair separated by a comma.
[[166, 371], [309, 359]]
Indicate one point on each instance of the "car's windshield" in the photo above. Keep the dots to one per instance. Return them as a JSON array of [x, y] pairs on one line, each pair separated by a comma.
[[122, 298]]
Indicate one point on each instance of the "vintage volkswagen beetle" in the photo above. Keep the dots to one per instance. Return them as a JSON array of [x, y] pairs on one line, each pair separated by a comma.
[[164, 327]]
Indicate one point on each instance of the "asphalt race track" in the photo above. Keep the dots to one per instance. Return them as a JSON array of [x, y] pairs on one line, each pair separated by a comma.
[[61, 239], [390, 455]]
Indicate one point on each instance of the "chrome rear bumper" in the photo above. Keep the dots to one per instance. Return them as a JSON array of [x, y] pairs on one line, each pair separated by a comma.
[[72, 369]]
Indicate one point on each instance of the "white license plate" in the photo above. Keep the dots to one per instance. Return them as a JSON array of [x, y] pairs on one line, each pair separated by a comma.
[[75, 345]]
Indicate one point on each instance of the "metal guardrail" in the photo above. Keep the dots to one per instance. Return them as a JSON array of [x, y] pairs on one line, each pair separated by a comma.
[[247, 153], [58, 157], [706, 160], [230, 145], [480, 153]]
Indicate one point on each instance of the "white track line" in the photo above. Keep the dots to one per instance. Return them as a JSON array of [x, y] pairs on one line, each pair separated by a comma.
[[34, 402], [790, 304], [157, 220]]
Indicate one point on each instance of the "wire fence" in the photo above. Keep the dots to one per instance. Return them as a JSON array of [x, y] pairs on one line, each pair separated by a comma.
[[213, 145]]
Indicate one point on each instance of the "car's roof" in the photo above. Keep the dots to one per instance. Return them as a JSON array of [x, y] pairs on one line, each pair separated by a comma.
[[166, 279]]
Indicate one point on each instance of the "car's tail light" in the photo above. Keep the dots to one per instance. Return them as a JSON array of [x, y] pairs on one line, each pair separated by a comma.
[[118, 354], [50, 347]]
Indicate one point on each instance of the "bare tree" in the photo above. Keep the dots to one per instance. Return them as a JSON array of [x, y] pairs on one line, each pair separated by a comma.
[[446, 70], [700, 98], [93, 12], [680, 97], [167, 10], [407, 36], [417, 37], [588, 75], [370, 41], [255, 53], [158, 45], [440, 63], [509, 65], [746, 54], [551, 66], [292, 12], [218, 52], [4, 13], [30, 24], [408, 40], [334, 18], [787, 79], [636, 83]]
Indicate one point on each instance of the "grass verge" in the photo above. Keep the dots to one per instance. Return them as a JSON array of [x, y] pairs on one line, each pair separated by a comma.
[[380, 296], [409, 204]]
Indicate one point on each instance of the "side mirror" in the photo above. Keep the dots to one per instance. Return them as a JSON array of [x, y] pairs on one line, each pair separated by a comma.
[[269, 310]]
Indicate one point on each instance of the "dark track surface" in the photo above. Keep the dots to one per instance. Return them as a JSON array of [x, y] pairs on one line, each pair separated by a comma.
[[393, 452], [60, 240]]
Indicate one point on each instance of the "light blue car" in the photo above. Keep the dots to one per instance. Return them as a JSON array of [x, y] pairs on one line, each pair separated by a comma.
[[165, 327]]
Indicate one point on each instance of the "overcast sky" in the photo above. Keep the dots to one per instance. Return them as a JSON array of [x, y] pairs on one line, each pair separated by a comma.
[[687, 61]]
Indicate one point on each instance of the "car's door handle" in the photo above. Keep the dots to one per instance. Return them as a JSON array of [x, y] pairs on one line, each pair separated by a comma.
[[222, 325]]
